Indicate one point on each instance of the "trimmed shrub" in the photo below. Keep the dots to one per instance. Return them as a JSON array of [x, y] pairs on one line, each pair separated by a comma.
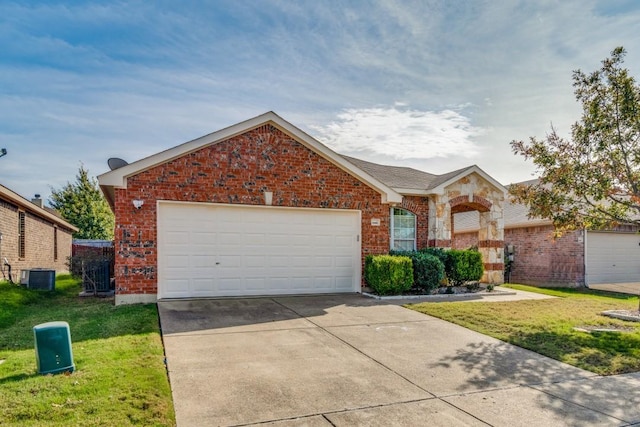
[[466, 265], [443, 256], [387, 274], [428, 270]]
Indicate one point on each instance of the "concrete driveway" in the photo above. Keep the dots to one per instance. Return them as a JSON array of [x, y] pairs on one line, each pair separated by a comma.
[[632, 288], [349, 360]]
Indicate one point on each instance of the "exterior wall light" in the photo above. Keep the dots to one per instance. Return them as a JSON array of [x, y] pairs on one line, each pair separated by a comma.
[[137, 203], [268, 198]]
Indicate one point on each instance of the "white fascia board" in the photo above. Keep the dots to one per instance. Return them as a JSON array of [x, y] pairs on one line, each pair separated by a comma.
[[118, 178], [440, 189], [412, 191]]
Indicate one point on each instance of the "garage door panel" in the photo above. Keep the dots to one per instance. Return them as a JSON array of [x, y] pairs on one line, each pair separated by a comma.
[[199, 261], [612, 257], [346, 262], [177, 261], [231, 250], [300, 261], [323, 261], [255, 285], [253, 239], [201, 285], [255, 261], [343, 283], [178, 238], [325, 283], [177, 288]]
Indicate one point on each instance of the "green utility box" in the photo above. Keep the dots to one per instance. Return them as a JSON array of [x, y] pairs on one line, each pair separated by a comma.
[[53, 348]]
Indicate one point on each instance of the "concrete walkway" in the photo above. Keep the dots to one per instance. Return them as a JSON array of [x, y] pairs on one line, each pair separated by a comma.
[[632, 288], [349, 360]]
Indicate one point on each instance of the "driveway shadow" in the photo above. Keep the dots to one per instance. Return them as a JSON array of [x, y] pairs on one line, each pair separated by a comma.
[[243, 314]]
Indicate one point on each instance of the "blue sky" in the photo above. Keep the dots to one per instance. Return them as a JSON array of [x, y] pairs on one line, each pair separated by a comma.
[[435, 85]]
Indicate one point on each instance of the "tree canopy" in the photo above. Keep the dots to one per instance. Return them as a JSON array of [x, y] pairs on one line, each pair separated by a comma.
[[83, 205], [593, 179]]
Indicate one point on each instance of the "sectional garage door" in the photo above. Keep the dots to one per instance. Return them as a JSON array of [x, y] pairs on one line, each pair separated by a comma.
[[211, 250], [612, 258]]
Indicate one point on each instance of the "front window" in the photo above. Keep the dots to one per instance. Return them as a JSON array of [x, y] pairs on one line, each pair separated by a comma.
[[403, 230]]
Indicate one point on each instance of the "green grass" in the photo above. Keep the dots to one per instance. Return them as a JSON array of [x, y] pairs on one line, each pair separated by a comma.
[[120, 377], [546, 326]]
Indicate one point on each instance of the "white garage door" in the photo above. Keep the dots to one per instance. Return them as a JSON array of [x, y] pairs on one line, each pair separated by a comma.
[[207, 250], [612, 258]]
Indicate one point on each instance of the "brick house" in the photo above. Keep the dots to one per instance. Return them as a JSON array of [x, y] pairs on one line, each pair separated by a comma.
[[31, 236], [263, 208], [578, 258]]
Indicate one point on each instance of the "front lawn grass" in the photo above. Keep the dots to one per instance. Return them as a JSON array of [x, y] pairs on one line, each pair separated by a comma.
[[546, 326], [120, 377]]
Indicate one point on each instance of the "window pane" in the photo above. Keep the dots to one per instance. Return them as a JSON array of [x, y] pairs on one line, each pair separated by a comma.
[[403, 245], [404, 230]]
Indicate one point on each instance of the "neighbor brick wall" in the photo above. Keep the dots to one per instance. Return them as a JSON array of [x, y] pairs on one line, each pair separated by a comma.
[[39, 242], [539, 258], [236, 171]]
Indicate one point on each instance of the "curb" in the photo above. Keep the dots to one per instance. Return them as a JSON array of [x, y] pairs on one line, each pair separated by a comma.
[[441, 296]]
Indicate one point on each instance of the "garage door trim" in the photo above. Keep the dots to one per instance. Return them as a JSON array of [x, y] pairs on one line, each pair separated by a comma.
[[352, 279]]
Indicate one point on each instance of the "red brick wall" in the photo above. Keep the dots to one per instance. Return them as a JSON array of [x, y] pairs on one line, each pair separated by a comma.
[[539, 259], [39, 246], [236, 171], [465, 240]]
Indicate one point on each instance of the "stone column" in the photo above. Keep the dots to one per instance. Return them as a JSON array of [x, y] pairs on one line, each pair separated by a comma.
[[439, 222], [491, 243]]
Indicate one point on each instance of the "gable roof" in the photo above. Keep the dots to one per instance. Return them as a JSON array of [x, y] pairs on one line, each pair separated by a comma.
[[45, 213], [409, 181], [118, 178]]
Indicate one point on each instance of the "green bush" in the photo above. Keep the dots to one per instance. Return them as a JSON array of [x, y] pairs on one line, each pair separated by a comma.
[[428, 270], [443, 256], [387, 274], [466, 265]]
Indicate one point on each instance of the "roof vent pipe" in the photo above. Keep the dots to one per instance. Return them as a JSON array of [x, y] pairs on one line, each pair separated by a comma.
[[37, 201]]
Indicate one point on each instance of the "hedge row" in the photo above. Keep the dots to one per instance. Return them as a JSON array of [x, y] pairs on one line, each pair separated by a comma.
[[460, 266], [387, 274], [399, 271]]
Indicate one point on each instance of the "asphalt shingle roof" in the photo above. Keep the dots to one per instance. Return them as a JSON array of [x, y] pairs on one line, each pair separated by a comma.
[[403, 177]]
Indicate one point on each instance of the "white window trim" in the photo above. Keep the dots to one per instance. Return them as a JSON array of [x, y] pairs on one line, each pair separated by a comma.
[[392, 233]]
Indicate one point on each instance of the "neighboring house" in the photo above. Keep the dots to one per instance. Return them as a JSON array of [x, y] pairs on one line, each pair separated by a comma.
[[32, 236], [577, 258], [262, 208]]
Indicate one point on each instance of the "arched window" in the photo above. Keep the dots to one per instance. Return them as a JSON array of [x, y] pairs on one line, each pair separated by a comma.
[[403, 230]]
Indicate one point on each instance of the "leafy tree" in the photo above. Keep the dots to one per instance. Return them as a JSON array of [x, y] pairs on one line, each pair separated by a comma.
[[83, 205], [592, 180]]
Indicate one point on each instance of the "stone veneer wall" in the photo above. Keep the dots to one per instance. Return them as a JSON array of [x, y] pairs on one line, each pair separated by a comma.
[[473, 192]]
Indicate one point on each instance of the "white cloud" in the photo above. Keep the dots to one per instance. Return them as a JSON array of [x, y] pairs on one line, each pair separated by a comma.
[[401, 133]]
